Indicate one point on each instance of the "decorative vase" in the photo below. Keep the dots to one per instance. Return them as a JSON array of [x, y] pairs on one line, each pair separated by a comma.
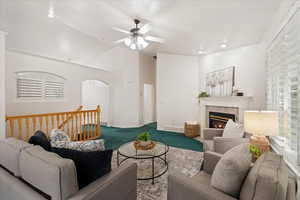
[[144, 143]]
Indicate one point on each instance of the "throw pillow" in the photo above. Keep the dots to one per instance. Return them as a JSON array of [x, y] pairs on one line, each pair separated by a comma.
[[233, 130], [91, 145], [231, 170], [40, 138], [58, 135], [89, 165]]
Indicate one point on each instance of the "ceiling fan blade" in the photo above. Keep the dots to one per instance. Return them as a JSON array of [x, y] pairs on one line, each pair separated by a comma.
[[120, 41], [145, 29], [154, 39], [121, 30]]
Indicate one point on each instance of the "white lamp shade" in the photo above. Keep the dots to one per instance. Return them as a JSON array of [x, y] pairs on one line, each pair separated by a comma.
[[263, 123]]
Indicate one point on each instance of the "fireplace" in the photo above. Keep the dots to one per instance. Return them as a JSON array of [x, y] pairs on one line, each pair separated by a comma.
[[219, 120]]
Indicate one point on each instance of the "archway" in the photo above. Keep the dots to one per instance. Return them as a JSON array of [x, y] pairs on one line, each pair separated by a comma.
[[93, 93]]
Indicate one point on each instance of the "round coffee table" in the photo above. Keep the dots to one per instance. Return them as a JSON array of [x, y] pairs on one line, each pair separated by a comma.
[[128, 151]]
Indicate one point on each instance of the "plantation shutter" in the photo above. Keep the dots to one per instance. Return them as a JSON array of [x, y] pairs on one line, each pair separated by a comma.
[[54, 89], [283, 83], [29, 88]]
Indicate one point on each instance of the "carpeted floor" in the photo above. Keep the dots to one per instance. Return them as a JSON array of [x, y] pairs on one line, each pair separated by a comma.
[[115, 137]]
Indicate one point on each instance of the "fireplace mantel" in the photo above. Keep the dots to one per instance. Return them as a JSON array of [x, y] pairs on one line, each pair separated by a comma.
[[242, 103]]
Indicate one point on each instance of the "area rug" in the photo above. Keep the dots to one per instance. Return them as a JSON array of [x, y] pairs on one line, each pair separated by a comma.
[[180, 161]]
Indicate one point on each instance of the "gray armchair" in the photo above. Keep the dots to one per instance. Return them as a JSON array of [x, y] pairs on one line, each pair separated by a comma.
[[199, 187], [213, 140]]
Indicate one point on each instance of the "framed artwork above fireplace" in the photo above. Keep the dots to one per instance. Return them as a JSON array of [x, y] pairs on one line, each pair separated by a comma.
[[220, 82]]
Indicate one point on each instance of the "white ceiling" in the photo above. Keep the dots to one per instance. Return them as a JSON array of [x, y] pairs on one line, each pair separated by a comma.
[[186, 25]]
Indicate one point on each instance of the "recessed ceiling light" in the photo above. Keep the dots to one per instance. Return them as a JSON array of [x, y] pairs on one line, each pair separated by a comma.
[[223, 45]]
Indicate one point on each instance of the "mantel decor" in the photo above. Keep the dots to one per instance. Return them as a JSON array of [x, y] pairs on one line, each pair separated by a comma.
[[220, 82]]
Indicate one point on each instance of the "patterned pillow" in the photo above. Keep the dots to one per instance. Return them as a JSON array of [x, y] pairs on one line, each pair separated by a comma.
[[85, 146], [59, 135]]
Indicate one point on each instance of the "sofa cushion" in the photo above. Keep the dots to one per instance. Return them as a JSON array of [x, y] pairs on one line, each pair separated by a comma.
[[233, 130], [268, 179], [231, 170], [90, 165], [91, 145], [49, 172], [10, 150], [40, 138], [207, 191], [59, 135]]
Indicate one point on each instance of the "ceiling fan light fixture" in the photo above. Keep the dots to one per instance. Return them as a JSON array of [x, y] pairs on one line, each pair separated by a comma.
[[127, 41], [224, 45], [140, 39], [132, 46]]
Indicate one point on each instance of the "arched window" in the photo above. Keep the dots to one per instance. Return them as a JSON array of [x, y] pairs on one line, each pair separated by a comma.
[[39, 85]]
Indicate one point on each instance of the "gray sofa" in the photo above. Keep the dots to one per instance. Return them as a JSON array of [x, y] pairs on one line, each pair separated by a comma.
[[30, 173], [213, 140], [267, 180]]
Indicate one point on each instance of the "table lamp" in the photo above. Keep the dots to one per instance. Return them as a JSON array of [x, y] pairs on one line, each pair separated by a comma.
[[261, 124]]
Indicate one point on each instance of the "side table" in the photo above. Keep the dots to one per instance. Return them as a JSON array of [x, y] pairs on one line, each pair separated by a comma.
[[191, 129]]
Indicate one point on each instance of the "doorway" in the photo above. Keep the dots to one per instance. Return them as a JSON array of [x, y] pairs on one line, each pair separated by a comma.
[[93, 93], [148, 113]]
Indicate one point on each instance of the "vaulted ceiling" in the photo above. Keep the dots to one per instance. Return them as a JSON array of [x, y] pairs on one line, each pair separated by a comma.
[[186, 25]]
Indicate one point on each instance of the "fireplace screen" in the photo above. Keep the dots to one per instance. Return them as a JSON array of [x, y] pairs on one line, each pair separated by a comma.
[[219, 120]]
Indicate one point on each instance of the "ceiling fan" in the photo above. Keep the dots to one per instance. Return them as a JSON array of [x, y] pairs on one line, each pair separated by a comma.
[[137, 38]]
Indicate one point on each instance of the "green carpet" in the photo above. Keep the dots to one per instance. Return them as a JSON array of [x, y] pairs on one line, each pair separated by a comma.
[[115, 137]]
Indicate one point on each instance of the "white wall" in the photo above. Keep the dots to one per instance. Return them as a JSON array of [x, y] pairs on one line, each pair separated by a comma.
[[31, 31], [177, 90], [250, 74], [2, 85], [147, 76], [124, 64], [74, 75], [148, 104]]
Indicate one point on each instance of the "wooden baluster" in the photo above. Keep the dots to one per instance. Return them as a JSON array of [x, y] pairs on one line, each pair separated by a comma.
[[47, 126], [84, 129], [27, 128], [41, 123], [94, 127], [11, 124], [72, 126], [93, 122], [68, 124], [63, 119], [80, 126], [20, 129], [34, 124], [88, 134], [57, 120], [52, 122], [76, 126], [98, 122]]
